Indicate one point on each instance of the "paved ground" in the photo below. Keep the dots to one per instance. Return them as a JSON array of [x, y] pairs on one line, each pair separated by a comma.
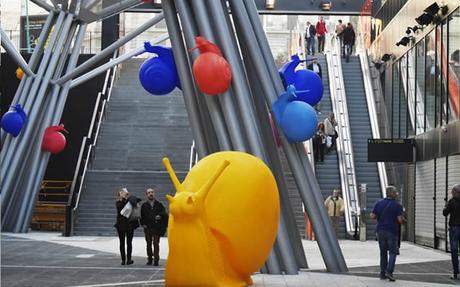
[[47, 259]]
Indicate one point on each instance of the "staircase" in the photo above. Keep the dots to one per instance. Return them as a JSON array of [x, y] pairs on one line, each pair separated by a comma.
[[366, 172], [138, 131], [327, 172]]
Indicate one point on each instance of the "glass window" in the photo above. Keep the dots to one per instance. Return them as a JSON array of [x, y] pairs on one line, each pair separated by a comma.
[[420, 86], [402, 118], [438, 74], [412, 116], [430, 76], [444, 74], [454, 66], [395, 101]]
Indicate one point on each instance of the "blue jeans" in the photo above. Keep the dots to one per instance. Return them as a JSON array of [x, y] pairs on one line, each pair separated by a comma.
[[388, 244], [311, 46], [347, 49], [454, 236]]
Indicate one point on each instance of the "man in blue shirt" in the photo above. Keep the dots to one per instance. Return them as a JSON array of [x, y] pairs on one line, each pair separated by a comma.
[[388, 213], [453, 208]]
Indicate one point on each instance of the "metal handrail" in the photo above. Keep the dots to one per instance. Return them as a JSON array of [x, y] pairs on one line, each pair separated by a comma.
[[372, 110], [193, 156], [93, 118], [308, 146], [87, 148], [416, 113], [85, 168], [344, 146]]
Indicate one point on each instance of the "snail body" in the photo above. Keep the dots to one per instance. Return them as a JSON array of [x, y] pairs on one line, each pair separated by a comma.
[[219, 232]]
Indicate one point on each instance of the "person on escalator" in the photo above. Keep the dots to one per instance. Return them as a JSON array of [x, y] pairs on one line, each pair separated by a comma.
[[329, 129], [348, 40], [335, 209], [319, 143]]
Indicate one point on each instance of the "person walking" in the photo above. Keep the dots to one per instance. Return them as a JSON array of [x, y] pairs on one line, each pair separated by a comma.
[[125, 227], [310, 34], [452, 208], [335, 209], [348, 40], [339, 35], [388, 213], [321, 31], [154, 221], [329, 129]]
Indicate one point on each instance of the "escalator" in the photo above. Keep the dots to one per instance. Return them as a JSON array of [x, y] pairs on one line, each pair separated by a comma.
[[327, 172], [360, 128]]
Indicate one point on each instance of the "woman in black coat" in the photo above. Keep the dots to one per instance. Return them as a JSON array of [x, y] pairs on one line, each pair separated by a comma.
[[125, 228]]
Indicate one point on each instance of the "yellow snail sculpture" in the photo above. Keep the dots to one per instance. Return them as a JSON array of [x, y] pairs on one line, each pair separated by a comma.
[[223, 221]]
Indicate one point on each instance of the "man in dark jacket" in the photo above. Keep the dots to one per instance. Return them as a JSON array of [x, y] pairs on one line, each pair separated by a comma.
[[315, 67], [348, 40], [310, 34], [388, 213], [453, 208], [153, 216]]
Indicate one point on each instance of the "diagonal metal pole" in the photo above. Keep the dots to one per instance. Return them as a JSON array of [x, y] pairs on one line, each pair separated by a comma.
[[6, 154], [109, 50], [241, 89], [52, 118], [184, 71], [43, 4], [23, 147], [101, 69], [24, 193], [225, 100], [305, 179], [270, 143], [10, 49], [26, 81], [117, 8]]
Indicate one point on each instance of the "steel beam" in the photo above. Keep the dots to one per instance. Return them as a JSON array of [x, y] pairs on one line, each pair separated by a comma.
[[101, 69], [184, 71], [10, 49], [109, 50]]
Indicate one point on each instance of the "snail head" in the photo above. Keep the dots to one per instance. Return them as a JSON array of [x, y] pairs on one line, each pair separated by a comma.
[[189, 202]]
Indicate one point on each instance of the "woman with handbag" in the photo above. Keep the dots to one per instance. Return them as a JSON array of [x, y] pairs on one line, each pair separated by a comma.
[[125, 227]]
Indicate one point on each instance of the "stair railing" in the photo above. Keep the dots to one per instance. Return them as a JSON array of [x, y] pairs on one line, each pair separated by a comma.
[[372, 110], [87, 148], [344, 147], [193, 156]]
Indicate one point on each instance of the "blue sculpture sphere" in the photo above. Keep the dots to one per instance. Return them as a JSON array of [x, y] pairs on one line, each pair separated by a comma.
[[157, 77], [309, 87], [299, 122], [13, 121]]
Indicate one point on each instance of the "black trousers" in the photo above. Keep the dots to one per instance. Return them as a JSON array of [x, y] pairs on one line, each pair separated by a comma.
[[128, 234], [152, 237]]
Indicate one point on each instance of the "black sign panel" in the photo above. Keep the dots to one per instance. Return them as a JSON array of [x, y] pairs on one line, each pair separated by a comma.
[[36, 23], [390, 150]]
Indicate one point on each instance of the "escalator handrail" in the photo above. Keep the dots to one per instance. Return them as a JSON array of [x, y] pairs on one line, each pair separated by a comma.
[[372, 111], [344, 147]]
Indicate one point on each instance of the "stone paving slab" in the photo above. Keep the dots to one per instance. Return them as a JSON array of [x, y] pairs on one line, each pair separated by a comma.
[[48, 259]]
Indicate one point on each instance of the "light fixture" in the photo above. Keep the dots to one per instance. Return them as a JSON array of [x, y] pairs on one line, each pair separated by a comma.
[[326, 5], [424, 19], [270, 4], [386, 57], [405, 40], [413, 29]]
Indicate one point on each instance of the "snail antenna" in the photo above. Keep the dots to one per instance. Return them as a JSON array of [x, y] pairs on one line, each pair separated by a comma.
[[172, 175], [203, 192]]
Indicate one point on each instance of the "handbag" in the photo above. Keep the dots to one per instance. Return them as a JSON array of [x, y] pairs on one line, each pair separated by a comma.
[[127, 210], [328, 141]]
